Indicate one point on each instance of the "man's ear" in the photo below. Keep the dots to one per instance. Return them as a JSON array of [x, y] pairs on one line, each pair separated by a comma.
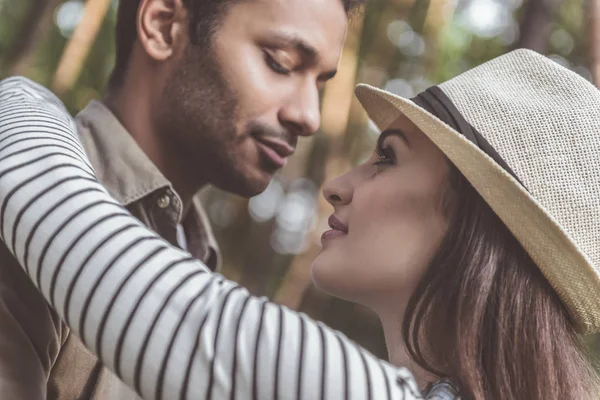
[[162, 27]]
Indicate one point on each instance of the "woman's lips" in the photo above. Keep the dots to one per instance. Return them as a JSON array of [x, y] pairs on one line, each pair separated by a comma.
[[338, 229], [331, 234]]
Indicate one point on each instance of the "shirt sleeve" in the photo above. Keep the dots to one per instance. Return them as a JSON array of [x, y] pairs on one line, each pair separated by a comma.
[[164, 323]]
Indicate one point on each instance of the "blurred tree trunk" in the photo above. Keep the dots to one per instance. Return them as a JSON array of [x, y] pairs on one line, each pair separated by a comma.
[[376, 49], [30, 33], [536, 24], [439, 15], [78, 47], [594, 39]]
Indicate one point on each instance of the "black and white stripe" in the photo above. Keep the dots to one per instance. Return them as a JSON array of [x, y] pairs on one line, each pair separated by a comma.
[[161, 320]]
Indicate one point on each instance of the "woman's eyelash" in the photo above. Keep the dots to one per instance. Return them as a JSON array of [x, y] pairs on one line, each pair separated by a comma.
[[385, 154]]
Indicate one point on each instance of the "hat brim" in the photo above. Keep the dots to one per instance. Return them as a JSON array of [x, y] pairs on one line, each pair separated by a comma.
[[564, 265]]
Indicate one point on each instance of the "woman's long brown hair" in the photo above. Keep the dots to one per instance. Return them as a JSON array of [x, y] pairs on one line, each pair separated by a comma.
[[485, 317]]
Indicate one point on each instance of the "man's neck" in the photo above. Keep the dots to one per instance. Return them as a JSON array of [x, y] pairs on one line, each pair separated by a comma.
[[133, 106]]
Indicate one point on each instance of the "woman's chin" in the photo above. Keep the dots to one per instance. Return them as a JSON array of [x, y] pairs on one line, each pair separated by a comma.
[[316, 273], [328, 278], [322, 276]]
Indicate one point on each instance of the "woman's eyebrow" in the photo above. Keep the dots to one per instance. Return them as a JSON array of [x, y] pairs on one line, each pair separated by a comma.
[[388, 132]]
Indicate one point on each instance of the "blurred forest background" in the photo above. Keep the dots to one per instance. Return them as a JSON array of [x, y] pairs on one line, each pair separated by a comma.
[[404, 46]]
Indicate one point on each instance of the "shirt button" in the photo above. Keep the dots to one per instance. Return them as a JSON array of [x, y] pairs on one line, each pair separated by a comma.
[[163, 201]]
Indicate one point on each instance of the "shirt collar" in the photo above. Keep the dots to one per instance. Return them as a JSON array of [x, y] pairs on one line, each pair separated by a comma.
[[129, 175], [126, 168]]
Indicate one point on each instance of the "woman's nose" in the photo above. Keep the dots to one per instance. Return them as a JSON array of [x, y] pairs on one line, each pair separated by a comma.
[[338, 191]]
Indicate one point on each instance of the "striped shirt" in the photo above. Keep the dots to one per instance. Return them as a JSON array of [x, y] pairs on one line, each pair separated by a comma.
[[165, 324]]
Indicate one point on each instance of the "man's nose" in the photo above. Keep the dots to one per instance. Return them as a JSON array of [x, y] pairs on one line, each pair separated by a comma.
[[302, 114]]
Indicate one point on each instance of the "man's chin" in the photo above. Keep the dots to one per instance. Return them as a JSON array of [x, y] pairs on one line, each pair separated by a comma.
[[254, 189], [247, 186]]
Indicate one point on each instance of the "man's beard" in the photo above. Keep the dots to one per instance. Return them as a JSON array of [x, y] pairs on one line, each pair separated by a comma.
[[198, 118]]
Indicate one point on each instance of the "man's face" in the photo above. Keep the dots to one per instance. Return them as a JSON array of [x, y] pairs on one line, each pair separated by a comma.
[[235, 110]]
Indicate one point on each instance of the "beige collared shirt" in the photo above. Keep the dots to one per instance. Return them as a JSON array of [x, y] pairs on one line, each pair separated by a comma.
[[136, 182], [39, 357]]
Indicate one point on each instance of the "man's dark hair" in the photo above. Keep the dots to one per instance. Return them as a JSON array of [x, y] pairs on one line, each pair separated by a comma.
[[205, 17]]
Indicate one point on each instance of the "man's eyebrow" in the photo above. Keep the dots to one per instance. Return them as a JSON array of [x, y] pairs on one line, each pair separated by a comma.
[[308, 51], [397, 132], [296, 42]]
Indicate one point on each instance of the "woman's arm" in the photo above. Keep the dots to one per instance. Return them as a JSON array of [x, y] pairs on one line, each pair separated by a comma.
[[157, 317]]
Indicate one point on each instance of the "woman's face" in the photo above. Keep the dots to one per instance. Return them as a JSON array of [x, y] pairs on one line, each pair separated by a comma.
[[387, 222]]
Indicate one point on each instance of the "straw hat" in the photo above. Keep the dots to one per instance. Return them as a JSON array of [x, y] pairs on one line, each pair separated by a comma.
[[526, 133]]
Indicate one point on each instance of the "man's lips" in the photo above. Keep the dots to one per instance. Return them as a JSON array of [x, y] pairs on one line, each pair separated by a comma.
[[337, 229], [276, 150]]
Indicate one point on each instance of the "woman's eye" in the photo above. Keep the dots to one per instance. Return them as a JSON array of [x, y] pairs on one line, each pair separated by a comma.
[[385, 156], [275, 66]]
